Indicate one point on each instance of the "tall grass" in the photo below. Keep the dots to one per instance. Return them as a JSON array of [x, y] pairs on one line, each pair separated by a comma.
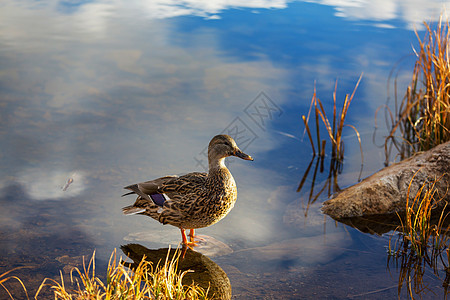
[[422, 120], [144, 282], [334, 130], [417, 227], [422, 240]]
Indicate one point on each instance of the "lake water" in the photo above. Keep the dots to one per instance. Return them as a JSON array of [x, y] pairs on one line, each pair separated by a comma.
[[109, 93]]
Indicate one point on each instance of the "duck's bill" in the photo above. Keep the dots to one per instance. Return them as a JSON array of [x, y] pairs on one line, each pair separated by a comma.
[[242, 155]]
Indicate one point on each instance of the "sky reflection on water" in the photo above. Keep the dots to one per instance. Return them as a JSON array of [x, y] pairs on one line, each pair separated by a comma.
[[118, 92]]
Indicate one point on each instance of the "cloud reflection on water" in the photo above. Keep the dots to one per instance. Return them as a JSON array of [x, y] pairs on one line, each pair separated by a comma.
[[41, 184], [120, 109], [118, 91], [412, 13], [70, 89]]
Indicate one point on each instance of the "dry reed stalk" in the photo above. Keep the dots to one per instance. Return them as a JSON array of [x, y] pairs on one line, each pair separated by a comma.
[[4, 279], [423, 118], [421, 243]]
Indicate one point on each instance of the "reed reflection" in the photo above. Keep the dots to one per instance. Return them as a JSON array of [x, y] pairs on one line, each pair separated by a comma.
[[414, 268], [330, 185], [334, 130]]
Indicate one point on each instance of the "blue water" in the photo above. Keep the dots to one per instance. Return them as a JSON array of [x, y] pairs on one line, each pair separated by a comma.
[[113, 93]]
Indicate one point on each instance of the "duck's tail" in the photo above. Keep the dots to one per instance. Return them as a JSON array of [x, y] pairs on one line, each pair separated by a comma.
[[134, 188]]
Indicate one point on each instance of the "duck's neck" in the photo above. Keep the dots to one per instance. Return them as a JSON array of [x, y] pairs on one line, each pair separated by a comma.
[[216, 165], [219, 177]]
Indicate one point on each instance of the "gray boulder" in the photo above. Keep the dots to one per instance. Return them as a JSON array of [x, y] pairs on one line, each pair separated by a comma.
[[385, 192]]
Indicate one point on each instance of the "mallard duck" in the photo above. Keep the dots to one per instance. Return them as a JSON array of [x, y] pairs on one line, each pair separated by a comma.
[[194, 200]]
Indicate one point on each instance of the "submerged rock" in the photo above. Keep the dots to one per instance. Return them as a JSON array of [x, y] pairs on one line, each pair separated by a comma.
[[292, 253], [385, 192], [200, 269], [381, 224]]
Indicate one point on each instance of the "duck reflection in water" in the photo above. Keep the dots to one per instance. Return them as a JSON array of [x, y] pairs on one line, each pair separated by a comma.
[[206, 273], [194, 200]]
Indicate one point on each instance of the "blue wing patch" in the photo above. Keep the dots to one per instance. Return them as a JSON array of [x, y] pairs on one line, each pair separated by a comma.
[[158, 199]]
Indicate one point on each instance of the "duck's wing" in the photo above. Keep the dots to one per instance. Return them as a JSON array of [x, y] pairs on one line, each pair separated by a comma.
[[185, 184], [182, 197], [146, 188], [164, 191]]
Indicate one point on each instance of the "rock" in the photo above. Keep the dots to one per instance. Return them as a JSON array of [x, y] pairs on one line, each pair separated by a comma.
[[200, 269], [381, 224], [385, 192]]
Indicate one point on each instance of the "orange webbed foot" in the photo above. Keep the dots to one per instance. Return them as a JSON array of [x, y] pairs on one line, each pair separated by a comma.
[[191, 243]]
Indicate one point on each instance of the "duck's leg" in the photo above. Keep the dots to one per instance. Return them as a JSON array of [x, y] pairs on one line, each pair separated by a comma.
[[183, 250], [192, 236], [183, 236], [185, 241]]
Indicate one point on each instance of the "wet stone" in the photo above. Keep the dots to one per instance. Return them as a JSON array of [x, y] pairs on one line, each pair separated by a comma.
[[385, 192]]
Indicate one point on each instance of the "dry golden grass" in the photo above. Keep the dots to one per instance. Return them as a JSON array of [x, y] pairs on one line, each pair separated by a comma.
[[422, 242], [416, 226], [4, 279], [334, 130], [420, 122], [423, 117], [146, 281]]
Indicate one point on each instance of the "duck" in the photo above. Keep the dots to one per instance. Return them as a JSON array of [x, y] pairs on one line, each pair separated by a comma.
[[194, 200]]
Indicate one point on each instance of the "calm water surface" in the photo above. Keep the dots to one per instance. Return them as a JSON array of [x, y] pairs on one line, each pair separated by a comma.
[[109, 93]]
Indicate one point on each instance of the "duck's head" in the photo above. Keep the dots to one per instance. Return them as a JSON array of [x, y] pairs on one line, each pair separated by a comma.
[[223, 145]]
